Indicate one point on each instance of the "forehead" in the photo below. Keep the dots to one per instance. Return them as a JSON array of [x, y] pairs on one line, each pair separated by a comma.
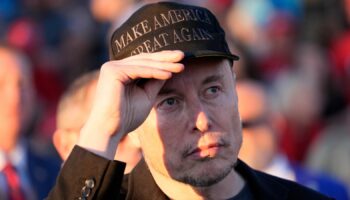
[[9, 64], [200, 69]]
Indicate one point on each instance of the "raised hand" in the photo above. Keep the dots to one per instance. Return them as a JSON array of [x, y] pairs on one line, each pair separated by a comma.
[[122, 101]]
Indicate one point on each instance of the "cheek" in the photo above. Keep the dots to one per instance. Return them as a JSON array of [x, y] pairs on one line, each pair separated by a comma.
[[232, 123], [247, 152], [150, 142], [172, 127], [160, 143], [265, 140], [156, 135], [227, 114], [10, 107], [11, 97]]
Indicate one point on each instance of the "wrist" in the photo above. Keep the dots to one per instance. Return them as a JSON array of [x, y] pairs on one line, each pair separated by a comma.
[[99, 140]]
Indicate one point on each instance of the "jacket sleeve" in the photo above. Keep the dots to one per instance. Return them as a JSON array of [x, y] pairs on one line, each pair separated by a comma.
[[88, 176]]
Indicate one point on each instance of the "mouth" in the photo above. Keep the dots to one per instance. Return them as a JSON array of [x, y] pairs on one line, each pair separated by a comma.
[[205, 151]]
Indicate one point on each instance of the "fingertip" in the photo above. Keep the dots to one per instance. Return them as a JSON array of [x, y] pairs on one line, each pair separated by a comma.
[[180, 54], [167, 75], [173, 55], [181, 67]]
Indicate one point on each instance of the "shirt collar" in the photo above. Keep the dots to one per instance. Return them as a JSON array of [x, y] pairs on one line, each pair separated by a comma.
[[17, 156]]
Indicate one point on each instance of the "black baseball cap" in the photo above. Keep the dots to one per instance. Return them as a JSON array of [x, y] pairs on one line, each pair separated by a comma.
[[170, 26]]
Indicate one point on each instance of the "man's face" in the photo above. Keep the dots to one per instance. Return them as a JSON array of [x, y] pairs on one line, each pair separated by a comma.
[[193, 132], [11, 84], [259, 140]]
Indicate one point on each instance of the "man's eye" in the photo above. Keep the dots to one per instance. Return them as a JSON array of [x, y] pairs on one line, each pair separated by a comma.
[[168, 103], [212, 91]]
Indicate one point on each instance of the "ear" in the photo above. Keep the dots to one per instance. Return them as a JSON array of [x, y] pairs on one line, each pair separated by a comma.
[[63, 142], [57, 142]]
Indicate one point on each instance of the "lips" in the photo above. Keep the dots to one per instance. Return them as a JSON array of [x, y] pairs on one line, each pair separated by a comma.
[[205, 151]]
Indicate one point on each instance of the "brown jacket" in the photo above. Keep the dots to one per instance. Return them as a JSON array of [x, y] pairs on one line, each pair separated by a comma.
[[88, 176]]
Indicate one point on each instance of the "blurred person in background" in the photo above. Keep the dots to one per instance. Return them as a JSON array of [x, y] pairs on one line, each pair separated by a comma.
[[62, 41], [114, 12], [260, 148], [340, 55], [27, 169], [300, 99], [267, 30], [73, 109], [330, 153]]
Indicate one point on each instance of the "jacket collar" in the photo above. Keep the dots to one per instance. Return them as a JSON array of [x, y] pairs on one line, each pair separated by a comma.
[[141, 185], [262, 185]]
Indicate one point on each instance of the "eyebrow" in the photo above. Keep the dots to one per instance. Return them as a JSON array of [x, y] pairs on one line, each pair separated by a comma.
[[166, 91], [210, 79]]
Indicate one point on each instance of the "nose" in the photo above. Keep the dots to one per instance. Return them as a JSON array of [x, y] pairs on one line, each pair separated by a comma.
[[202, 122]]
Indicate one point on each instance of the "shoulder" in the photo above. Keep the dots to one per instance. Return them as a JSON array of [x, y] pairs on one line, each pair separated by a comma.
[[42, 154], [43, 165], [272, 187], [295, 190], [321, 182]]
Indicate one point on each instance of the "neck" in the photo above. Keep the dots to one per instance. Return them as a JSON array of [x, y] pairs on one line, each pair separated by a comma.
[[229, 187]]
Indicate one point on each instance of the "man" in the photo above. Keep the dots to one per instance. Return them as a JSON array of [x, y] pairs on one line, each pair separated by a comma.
[[171, 81], [27, 170], [73, 109], [260, 143]]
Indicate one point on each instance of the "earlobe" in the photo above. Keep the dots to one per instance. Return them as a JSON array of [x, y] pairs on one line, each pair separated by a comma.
[[58, 143], [63, 142]]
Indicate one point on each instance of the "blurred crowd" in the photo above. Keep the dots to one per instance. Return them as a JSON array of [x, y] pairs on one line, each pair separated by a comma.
[[297, 50]]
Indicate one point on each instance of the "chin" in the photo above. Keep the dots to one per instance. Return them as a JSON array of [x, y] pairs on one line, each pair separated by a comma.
[[207, 173]]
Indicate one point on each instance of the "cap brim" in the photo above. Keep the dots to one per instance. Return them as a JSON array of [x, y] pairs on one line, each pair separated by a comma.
[[208, 53]]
